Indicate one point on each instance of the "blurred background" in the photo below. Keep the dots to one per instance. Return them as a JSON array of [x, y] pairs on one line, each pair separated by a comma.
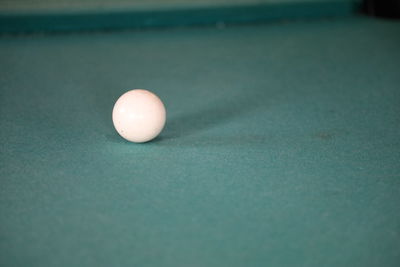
[[63, 15]]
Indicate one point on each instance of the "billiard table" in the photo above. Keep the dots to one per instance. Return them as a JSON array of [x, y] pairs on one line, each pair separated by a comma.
[[281, 147]]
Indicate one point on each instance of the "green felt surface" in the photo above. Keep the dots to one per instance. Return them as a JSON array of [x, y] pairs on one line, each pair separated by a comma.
[[79, 5], [56, 16], [281, 147]]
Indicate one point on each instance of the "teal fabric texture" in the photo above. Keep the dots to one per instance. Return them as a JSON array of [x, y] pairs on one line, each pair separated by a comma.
[[68, 16], [281, 147]]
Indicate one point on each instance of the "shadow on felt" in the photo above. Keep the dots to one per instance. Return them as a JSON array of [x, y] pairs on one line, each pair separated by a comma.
[[210, 115]]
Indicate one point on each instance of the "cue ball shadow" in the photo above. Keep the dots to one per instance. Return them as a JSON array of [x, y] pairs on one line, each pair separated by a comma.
[[180, 129]]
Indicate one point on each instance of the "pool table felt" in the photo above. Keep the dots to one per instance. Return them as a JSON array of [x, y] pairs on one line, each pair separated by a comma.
[[74, 15], [77, 6], [281, 147]]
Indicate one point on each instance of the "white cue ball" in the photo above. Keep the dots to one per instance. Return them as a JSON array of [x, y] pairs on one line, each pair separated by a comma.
[[139, 115]]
